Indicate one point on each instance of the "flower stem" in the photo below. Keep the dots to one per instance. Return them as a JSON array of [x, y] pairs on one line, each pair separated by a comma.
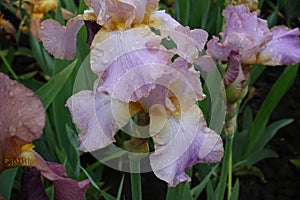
[[135, 177], [7, 65], [230, 167]]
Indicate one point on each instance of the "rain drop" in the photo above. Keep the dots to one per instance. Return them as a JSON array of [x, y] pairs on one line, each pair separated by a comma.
[[12, 130], [11, 94]]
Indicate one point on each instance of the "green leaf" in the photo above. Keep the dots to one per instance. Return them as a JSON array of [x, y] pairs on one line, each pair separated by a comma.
[[42, 57], [209, 191], [183, 11], [121, 188], [277, 92], [260, 155], [48, 92], [256, 71], [296, 162], [7, 179], [196, 191], [181, 191], [269, 133], [235, 191], [252, 171], [94, 184], [224, 173]]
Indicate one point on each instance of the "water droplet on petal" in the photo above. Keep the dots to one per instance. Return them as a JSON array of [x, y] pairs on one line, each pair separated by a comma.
[[11, 94], [12, 130]]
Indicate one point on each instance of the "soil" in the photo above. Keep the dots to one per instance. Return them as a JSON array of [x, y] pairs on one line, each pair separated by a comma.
[[282, 178]]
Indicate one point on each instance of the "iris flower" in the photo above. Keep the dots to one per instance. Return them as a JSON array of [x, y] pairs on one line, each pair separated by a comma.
[[22, 120], [138, 74], [249, 36]]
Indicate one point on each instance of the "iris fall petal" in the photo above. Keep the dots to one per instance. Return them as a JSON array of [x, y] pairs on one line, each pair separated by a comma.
[[283, 49]]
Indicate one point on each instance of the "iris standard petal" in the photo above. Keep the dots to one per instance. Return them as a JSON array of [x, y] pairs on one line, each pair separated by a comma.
[[92, 114], [241, 20], [183, 143], [283, 49], [244, 33], [60, 41]]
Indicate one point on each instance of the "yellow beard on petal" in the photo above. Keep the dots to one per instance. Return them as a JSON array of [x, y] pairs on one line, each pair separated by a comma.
[[26, 158]]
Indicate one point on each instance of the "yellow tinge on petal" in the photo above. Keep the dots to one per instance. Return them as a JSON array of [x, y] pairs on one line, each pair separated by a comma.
[[26, 157], [44, 6], [177, 112]]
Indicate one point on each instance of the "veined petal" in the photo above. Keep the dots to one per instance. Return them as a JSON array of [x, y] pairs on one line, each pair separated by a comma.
[[241, 20], [217, 50], [234, 68], [183, 143], [122, 14], [189, 43], [107, 47], [22, 119], [283, 49], [60, 41], [92, 114], [244, 33], [161, 20], [137, 51]]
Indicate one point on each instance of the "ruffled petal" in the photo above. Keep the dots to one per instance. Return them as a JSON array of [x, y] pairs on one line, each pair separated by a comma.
[[137, 50], [283, 49], [181, 144], [189, 43], [241, 20], [60, 41], [122, 14], [161, 20], [22, 119], [234, 68], [22, 113], [217, 50], [92, 114], [244, 33]]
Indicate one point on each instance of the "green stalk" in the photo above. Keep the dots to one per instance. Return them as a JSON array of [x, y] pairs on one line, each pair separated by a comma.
[[230, 167], [7, 65], [135, 177]]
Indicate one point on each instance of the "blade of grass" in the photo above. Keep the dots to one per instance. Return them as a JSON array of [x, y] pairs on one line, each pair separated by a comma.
[[7, 65], [182, 11], [121, 188], [48, 92], [235, 191], [277, 92], [7, 179], [196, 191]]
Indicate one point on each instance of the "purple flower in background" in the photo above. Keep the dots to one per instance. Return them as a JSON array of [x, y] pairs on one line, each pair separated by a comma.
[[22, 120], [250, 36]]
